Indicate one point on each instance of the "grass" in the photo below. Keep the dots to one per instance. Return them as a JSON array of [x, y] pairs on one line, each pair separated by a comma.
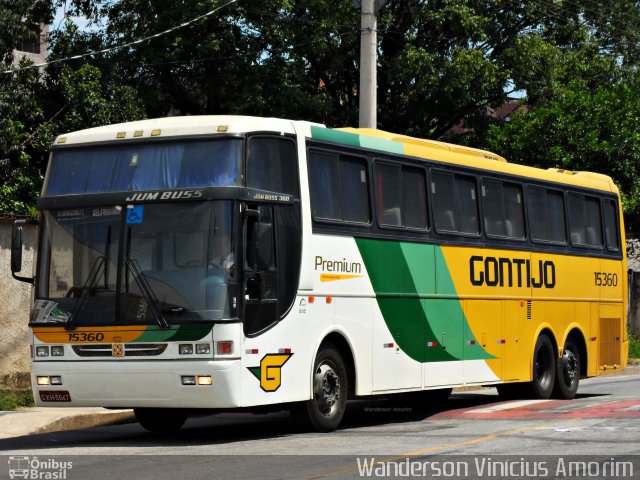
[[10, 400], [634, 344]]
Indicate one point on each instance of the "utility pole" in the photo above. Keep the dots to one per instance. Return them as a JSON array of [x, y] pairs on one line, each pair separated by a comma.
[[368, 60]]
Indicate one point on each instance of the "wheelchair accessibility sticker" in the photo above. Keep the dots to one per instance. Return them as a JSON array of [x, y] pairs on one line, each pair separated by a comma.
[[135, 214]]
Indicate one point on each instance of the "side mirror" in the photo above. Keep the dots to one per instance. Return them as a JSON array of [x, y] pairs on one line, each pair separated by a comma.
[[16, 249]]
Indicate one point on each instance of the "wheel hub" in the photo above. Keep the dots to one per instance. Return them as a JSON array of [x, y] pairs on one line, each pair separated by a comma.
[[326, 386], [570, 363]]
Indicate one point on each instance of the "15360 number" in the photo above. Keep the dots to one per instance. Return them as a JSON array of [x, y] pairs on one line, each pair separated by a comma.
[[86, 337], [603, 279]]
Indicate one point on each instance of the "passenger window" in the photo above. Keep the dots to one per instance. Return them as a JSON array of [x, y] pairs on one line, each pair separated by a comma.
[[545, 210], [455, 207], [503, 209], [414, 198], [611, 230], [339, 189], [400, 196], [585, 221]]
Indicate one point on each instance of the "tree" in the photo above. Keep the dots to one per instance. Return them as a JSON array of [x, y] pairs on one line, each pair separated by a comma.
[[36, 105], [441, 62], [582, 129]]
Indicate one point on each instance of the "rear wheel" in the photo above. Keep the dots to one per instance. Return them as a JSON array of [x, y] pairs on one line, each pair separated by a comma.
[[161, 420], [568, 372], [325, 410], [544, 368]]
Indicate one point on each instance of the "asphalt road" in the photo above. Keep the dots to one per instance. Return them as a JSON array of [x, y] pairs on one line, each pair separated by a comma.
[[603, 422]]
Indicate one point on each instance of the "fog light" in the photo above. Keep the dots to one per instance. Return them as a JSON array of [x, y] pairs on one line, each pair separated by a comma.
[[42, 351], [203, 348], [42, 380], [188, 380], [57, 351], [185, 349], [55, 380], [204, 380], [225, 348]]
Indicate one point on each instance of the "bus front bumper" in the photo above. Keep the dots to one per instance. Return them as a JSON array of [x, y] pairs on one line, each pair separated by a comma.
[[170, 384]]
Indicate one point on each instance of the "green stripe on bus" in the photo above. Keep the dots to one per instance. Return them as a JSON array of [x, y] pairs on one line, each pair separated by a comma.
[[381, 144], [426, 329], [335, 136]]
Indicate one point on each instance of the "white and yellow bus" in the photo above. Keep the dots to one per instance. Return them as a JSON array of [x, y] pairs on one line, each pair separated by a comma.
[[217, 262]]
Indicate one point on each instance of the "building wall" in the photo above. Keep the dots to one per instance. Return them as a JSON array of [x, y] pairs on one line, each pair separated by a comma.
[[15, 300], [36, 58], [634, 301]]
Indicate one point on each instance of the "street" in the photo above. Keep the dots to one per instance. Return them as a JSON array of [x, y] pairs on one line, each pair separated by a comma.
[[602, 421]]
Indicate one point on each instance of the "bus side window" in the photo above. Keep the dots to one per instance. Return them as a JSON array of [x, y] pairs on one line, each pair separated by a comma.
[[272, 164], [503, 213], [545, 210], [585, 221], [455, 203], [400, 196], [339, 187], [612, 237]]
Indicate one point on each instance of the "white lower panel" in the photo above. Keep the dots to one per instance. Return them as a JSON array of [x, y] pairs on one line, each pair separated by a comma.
[[457, 373], [140, 384]]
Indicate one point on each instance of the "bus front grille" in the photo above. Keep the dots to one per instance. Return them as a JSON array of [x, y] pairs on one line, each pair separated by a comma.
[[130, 350]]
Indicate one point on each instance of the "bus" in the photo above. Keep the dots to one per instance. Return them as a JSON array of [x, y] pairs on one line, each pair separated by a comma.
[[198, 264]]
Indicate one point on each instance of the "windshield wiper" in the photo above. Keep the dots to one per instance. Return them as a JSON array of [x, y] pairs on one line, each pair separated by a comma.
[[147, 292], [90, 283]]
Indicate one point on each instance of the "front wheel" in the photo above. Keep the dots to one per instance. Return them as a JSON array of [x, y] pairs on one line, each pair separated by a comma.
[[325, 410], [568, 372], [161, 420], [544, 368]]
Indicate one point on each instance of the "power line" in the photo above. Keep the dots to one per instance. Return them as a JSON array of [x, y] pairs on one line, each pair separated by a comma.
[[125, 45]]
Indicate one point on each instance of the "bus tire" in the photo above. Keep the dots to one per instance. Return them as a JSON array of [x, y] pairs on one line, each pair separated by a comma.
[[161, 420], [544, 368], [325, 410], [568, 372]]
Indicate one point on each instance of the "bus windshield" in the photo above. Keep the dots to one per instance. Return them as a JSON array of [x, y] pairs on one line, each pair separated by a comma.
[[145, 166], [141, 264]]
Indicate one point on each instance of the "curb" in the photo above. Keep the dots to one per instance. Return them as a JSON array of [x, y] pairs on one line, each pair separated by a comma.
[[87, 420], [38, 421]]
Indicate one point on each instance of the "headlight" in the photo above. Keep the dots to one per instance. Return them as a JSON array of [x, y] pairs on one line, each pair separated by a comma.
[[185, 349], [42, 351], [57, 351], [203, 348]]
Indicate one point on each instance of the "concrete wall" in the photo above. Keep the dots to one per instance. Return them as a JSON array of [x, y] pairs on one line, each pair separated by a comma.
[[634, 301], [15, 303]]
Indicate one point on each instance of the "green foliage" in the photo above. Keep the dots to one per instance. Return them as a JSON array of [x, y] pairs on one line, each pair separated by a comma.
[[581, 129], [441, 63], [11, 400], [634, 345]]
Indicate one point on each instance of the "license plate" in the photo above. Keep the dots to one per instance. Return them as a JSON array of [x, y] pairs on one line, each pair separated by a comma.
[[55, 396]]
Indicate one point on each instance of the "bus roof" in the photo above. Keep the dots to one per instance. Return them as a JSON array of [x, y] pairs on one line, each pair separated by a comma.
[[176, 127], [380, 140], [460, 155]]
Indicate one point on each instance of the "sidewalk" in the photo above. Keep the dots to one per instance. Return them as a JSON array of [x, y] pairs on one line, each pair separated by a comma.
[[29, 421]]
